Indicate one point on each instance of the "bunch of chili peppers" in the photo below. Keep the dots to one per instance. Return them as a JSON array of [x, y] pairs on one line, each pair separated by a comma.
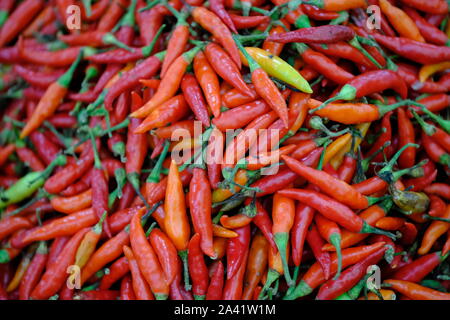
[[120, 179]]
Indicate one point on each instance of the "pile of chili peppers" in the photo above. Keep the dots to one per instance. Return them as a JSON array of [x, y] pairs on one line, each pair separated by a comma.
[[334, 184]]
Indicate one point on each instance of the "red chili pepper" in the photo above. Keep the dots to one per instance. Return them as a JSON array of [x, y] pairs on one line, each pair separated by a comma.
[[140, 285], [440, 189], [234, 286], [323, 64], [209, 83], [419, 268], [334, 187], [126, 289], [244, 22], [427, 30], [420, 52], [117, 271], [434, 6], [225, 67], [54, 276], [216, 283], [241, 116], [194, 98], [210, 22], [332, 209], [435, 151], [46, 149], [406, 135], [19, 19], [314, 277], [130, 79], [170, 111], [147, 259], [34, 272], [197, 267], [236, 250], [316, 13], [349, 277], [322, 34], [200, 207]]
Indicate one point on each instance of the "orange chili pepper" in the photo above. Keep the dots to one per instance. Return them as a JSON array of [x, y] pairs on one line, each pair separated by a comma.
[[169, 84], [434, 231], [401, 22], [72, 204], [415, 291], [222, 232]]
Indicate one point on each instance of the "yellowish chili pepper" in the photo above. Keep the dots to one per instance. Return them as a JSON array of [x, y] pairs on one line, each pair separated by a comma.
[[222, 232], [222, 194], [429, 69], [21, 269], [116, 77], [277, 68], [339, 156]]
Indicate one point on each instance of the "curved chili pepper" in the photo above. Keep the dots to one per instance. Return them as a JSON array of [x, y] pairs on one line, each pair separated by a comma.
[[19, 19], [433, 232], [350, 277], [130, 79], [54, 276], [194, 98], [48, 104], [244, 22], [334, 187], [415, 291], [419, 268], [170, 111], [429, 32], [315, 276], [167, 254], [209, 21], [437, 206], [420, 52], [140, 285], [256, 264], [233, 286], [169, 84], [367, 83], [72, 204], [108, 251], [117, 271], [225, 67], [435, 6], [34, 271], [322, 34], [316, 13], [45, 148], [197, 267], [435, 151], [216, 283], [323, 64], [147, 259]]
